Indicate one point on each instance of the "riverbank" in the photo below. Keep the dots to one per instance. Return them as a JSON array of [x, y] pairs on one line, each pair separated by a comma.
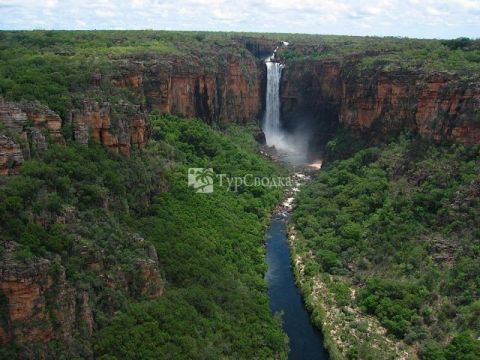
[[344, 328], [330, 299]]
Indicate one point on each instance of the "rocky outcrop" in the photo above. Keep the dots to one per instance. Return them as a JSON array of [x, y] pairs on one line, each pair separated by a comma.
[[438, 106], [118, 127], [24, 128], [12, 117], [39, 304], [11, 156], [448, 108], [12, 129], [45, 119]]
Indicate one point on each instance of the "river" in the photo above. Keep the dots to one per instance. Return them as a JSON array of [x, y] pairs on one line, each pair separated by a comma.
[[306, 341]]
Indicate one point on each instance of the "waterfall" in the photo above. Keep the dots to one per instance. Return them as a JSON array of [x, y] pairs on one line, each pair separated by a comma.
[[293, 145], [272, 127]]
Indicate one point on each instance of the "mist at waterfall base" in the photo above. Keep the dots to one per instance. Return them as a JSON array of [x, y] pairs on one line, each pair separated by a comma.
[[292, 146]]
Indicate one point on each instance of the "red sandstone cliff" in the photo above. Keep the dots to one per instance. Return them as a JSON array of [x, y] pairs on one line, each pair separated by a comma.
[[230, 91], [32, 313], [229, 88], [40, 304], [438, 106], [25, 127]]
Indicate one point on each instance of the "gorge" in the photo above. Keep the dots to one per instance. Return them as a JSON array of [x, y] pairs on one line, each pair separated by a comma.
[[104, 245]]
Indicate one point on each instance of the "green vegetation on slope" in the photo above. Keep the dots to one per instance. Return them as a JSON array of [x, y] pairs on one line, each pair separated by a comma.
[[210, 246], [399, 224]]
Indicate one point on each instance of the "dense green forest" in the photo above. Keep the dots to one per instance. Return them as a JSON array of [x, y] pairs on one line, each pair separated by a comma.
[[210, 246], [399, 224]]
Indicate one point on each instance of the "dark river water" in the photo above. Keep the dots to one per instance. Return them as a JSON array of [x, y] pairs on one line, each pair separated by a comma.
[[306, 342]]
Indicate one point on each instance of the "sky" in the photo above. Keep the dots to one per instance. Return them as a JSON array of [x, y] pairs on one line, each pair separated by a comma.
[[411, 18]]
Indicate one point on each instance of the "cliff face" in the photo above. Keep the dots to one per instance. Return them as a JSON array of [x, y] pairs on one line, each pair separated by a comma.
[[228, 91], [438, 106], [40, 304], [220, 88], [232, 93], [11, 156], [45, 119]]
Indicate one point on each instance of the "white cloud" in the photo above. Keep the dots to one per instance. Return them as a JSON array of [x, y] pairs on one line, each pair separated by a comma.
[[51, 3], [138, 3], [225, 15], [467, 4], [105, 13], [420, 18]]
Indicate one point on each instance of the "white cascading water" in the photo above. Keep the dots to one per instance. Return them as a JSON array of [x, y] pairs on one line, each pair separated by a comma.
[[272, 126], [292, 146]]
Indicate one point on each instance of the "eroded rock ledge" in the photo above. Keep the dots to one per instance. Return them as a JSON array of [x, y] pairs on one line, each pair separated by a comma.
[[28, 127]]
